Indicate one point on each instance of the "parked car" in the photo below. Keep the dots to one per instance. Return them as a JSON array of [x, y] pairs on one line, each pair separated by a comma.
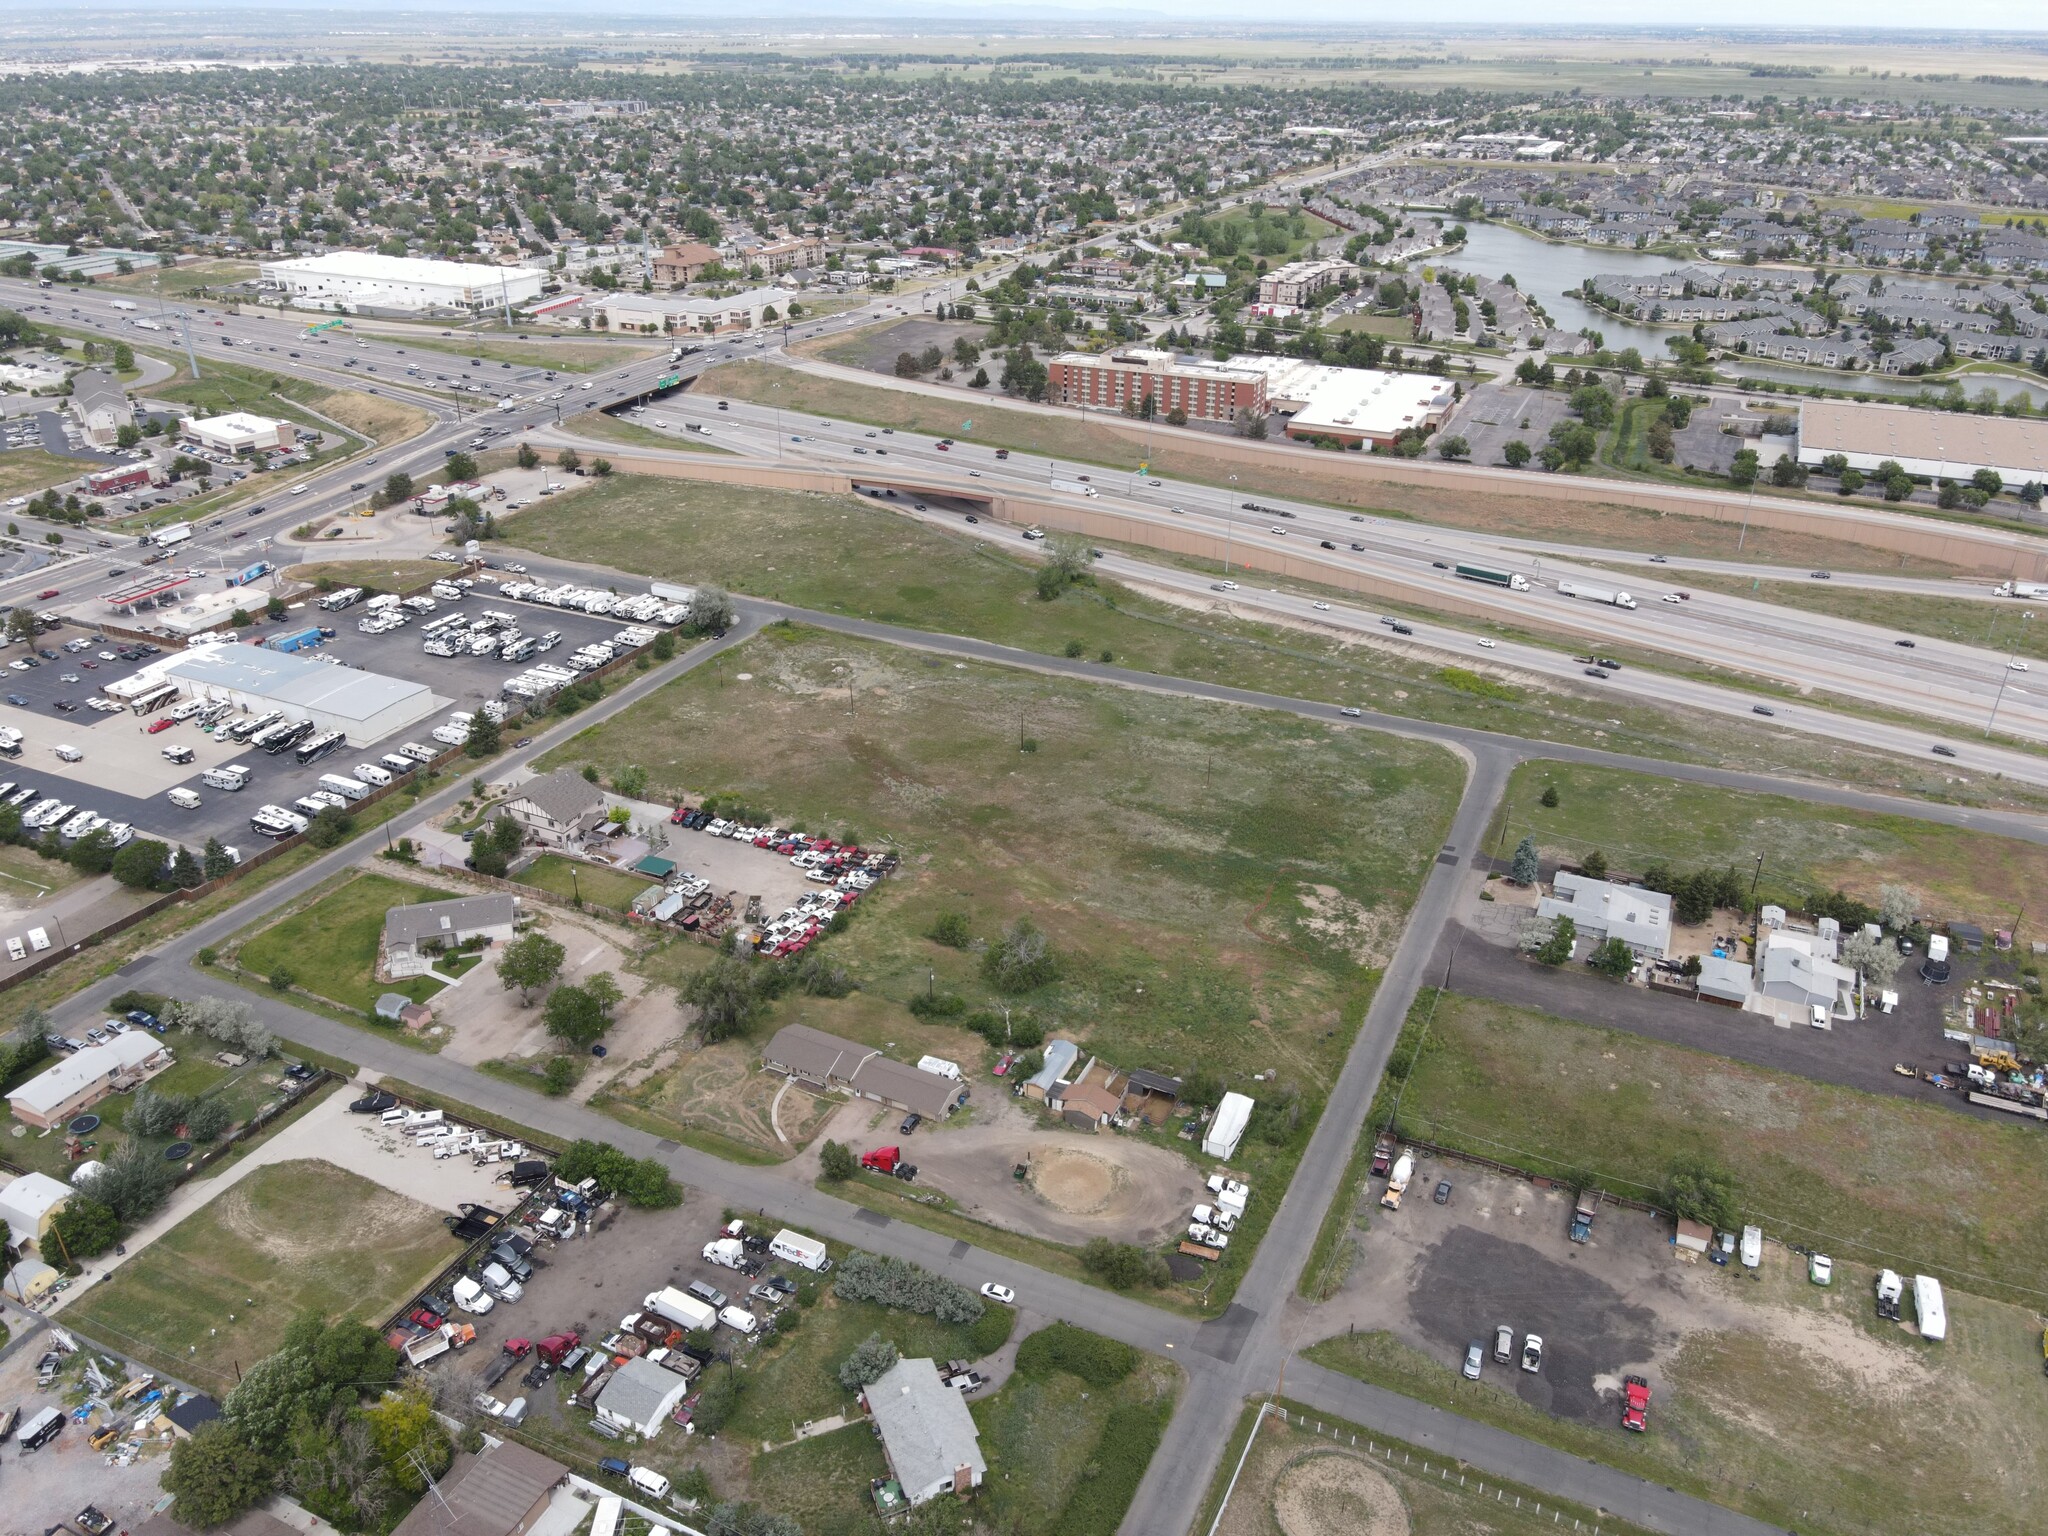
[[1532, 1353], [1475, 1357], [1504, 1344]]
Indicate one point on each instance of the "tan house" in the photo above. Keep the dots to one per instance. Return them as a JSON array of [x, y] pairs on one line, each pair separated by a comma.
[[684, 263], [559, 810], [414, 935], [85, 1077], [1089, 1099], [503, 1490]]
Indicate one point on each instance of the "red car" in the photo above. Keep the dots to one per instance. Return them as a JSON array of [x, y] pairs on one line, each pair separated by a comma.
[[1003, 1066], [425, 1317], [163, 724], [675, 817], [47, 592]]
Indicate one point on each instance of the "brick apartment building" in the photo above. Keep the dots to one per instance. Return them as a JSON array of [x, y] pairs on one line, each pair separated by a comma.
[[684, 263], [1107, 381], [1299, 281]]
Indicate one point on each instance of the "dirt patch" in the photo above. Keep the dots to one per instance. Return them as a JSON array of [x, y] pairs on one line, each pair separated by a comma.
[[1075, 1182], [1330, 1492], [1361, 932], [380, 420]]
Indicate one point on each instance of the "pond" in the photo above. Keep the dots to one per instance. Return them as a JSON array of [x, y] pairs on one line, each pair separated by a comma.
[[1548, 273]]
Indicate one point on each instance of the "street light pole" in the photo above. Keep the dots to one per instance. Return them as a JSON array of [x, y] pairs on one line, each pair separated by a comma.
[[1229, 525], [2019, 635]]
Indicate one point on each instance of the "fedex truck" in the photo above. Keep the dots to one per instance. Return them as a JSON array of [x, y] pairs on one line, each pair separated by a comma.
[[807, 1252]]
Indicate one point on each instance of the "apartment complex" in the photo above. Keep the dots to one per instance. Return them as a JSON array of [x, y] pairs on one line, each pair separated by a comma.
[[1111, 380], [1300, 281], [685, 263]]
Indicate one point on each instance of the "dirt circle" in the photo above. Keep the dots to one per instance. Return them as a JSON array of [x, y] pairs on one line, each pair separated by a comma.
[[1078, 1183], [1326, 1493]]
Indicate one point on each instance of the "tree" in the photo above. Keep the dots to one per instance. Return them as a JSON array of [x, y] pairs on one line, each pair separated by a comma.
[[1453, 448], [605, 993], [950, 929], [484, 739], [1698, 1191], [641, 1182], [1876, 960], [573, 1016], [84, 1228], [92, 854], [494, 847], [711, 611], [725, 994], [409, 1438], [601, 467], [331, 828], [1526, 866], [1593, 405], [1613, 958], [186, 871], [872, 1359], [460, 466], [124, 357], [133, 1182], [1021, 960], [837, 1162], [1898, 906], [208, 1119], [215, 862], [1743, 471], [1548, 799], [569, 460], [141, 863], [398, 487], [155, 1114], [1594, 865], [215, 1475], [1989, 481], [1121, 1266], [530, 962], [526, 457], [1557, 949]]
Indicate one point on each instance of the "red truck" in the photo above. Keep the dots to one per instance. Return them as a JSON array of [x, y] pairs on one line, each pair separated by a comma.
[[1635, 1408], [556, 1345], [888, 1160]]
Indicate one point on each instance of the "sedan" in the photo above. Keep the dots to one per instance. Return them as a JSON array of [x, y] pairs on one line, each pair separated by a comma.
[[1001, 1293], [163, 723], [1320, 607], [1944, 751], [1907, 644], [65, 706], [2016, 665], [1532, 1353], [1670, 597], [1351, 712], [1486, 645], [1443, 1196], [47, 593], [17, 701], [1761, 709], [1281, 532], [1475, 1357]]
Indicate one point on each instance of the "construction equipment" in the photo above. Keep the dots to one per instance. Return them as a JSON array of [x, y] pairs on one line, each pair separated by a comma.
[[1397, 1181]]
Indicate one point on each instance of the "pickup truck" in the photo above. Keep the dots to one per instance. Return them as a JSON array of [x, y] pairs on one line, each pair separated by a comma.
[[1582, 1215], [1382, 1156]]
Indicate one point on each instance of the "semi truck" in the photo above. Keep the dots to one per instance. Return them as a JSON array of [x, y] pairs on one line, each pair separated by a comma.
[[1075, 488], [888, 1160], [1595, 594], [1397, 1181], [1514, 581], [726, 1252], [2020, 589]]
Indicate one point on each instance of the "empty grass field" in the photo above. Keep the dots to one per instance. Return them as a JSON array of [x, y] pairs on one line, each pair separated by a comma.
[[378, 575], [593, 883], [26, 471], [848, 555], [211, 1296], [562, 356], [1637, 820], [329, 944]]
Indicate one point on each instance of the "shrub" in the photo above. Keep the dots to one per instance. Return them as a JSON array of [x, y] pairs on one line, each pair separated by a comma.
[[1100, 1362], [837, 1162], [898, 1283], [872, 1358], [937, 1005], [991, 1331], [560, 1075], [716, 1403], [950, 929], [1021, 960], [1122, 1266]]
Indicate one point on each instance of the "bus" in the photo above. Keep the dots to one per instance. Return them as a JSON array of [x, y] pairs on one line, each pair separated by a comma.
[[317, 747], [284, 738], [155, 699]]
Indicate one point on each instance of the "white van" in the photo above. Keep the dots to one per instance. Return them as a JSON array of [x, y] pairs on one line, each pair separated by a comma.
[[183, 799], [740, 1318], [648, 1481], [370, 773]]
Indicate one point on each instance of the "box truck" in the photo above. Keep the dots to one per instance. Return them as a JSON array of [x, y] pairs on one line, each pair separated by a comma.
[[680, 1308], [806, 1252]]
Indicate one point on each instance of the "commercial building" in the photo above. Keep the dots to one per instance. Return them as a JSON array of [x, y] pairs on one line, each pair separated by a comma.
[[1205, 391], [558, 809], [406, 284], [85, 1077], [1603, 910], [414, 935], [363, 706], [685, 263], [928, 1435], [1365, 406], [654, 314], [503, 1490], [640, 1397], [240, 433], [1300, 281], [29, 1204], [1923, 442], [100, 406]]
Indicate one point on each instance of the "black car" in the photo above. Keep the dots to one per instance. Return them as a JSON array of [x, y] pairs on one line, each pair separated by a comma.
[[1328, 545], [1761, 709], [1608, 662], [1402, 629], [1443, 1192], [910, 1123], [1908, 644], [1595, 672], [299, 1072], [66, 706], [1440, 565], [1944, 751]]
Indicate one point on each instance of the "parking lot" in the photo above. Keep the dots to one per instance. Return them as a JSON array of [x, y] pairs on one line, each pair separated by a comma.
[[1495, 415]]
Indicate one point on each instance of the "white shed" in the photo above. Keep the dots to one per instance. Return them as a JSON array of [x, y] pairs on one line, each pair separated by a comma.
[[1227, 1129]]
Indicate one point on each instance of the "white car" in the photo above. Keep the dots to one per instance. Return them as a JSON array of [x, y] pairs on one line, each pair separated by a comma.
[[1279, 532], [1001, 1293], [1320, 607], [1486, 645], [1820, 1269], [2017, 665], [1670, 597], [1532, 1352]]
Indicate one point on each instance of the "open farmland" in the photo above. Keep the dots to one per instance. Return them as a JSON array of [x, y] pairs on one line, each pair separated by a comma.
[[1637, 820], [214, 1292]]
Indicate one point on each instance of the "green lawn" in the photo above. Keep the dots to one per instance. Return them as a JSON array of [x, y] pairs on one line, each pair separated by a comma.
[[822, 1483], [26, 875], [596, 884], [330, 944], [1996, 625], [1789, 1418], [211, 1296], [1851, 1173], [848, 555], [1637, 820]]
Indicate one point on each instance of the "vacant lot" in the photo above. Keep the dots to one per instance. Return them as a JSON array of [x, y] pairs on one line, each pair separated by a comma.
[[1637, 820], [329, 944], [26, 877], [877, 348], [631, 434], [213, 1294], [1917, 1186], [375, 417], [846, 554], [370, 575], [564, 356], [25, 471], [720, 1099], [572, 879], [1312, 476]]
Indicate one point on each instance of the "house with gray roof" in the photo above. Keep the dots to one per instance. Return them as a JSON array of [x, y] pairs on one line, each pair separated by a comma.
[[1603, 910], [927, 1433], [501, 1491], [640, 1396], [1724, 980], [1060, 1056], [559, 809], [101, 406], [414, 935], [811, 1056]]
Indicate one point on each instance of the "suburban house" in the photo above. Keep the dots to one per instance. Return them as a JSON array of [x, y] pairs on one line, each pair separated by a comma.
[[640, 1397], [1800, 973], [1603, 910], [1060, 1055], [1089, 1099], [414, 935], [559, 809], [30, 1203], [927, 1433], [85, 1077], [827, 1062], [503, 1490], [101, 406]]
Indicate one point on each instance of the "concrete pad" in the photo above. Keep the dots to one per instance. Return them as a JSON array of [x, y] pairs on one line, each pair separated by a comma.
[[121, 755]]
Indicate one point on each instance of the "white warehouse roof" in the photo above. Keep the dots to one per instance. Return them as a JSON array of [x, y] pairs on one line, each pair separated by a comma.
[[401, 281], [320, 688]]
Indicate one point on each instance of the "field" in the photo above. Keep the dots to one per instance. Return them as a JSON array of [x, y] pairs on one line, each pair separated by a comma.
[[25, 471], [1299, 1480], [226, 1281], [329, 944], [1812, 1414], [630, 434], [187, 278], [1853, 1174], [375, 417], [719, 1100], [1995, 625], [1306, 475], [563, 356], [382, 575], [26, 877], [850, 556], [1637, 820], [595, 884]]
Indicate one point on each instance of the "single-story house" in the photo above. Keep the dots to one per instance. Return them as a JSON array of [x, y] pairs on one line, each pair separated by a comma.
[[814, 1057], [413, 935], [30, 1203], [1800, 969], [500, 1491], [85, 1077], [1089, 1099], [1603, 910], [190, 1411], [1226, 1130], [928, 1435], [902, 1086], [1151, 1094], [1724, 980], [640, 1396], [558, 809], [1060, 1055]]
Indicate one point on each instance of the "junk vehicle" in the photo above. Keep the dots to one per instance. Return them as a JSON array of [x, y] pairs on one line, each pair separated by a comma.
[[684, 1310], [1635, 1411], [1514, 581], [1397, 1181], [1382, 1156], [1582, 1215], [888, 1160], [1595, 594]]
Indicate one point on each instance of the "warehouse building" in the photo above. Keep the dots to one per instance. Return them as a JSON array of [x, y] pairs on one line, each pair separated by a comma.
[[1946, 443], [363, 706], [402, 284], [1363, 406], [655, 314]]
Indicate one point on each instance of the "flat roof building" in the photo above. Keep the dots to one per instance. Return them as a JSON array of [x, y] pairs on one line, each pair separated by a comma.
[[239, 432], [1299, 281], [657, 314], [368, 280], [1109, 381], [1923, 442], [1367, 406], [363, 706]]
